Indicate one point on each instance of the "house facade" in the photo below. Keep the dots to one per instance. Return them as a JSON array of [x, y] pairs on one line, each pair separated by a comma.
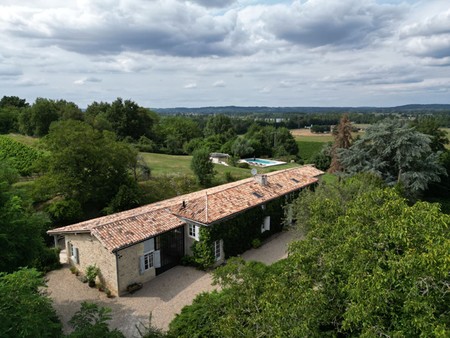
[[136, 245]]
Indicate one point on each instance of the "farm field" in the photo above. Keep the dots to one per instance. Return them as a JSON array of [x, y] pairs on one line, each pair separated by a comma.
[[308, 149]]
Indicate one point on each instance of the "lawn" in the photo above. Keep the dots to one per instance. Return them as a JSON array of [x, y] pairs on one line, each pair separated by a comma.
[[161, 164]]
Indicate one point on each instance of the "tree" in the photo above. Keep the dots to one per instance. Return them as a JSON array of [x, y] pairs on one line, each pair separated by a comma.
[[92, 321], [219, 125], [126, 118], [25, 309], [397, 153], [84, 164], [13, 101], [202, 166], [430, 126], [20, 230], [176, 131], [342, 140], [241, 148]]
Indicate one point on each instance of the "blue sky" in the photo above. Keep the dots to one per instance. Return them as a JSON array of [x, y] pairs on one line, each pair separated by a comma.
[[167, 53]]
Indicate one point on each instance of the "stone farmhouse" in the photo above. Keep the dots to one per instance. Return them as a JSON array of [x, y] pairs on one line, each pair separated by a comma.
[[136, 245]]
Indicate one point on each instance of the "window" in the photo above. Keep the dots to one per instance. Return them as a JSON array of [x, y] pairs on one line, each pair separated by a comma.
[[148, 261], [266, 225], [217, 251], [194, 231], [74, 254]]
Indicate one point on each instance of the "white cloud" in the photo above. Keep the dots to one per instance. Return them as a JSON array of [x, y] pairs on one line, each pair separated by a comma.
[[190, 85], [219, 83], [87, 80]]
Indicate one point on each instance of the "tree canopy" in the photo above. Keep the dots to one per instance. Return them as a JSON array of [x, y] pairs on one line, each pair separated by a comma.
[[85, 164], [24, 309], [397, 153], [202, 166], [342, 140]]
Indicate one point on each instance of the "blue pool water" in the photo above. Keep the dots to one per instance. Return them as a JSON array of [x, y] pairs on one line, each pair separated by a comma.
[[262, 162]]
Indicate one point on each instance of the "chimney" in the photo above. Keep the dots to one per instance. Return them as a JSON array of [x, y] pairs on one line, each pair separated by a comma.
[[261, 179]]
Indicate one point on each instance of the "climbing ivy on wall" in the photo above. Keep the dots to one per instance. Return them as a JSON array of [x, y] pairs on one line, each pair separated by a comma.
[[238, 232]]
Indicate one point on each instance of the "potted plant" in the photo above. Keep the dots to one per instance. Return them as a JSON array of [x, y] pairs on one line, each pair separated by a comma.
[[91, 273]]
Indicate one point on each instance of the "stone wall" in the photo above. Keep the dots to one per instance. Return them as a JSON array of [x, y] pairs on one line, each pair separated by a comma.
[[129, 269], [90, 252]]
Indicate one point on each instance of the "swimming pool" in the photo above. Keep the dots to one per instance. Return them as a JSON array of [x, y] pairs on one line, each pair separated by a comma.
[[262, 162]]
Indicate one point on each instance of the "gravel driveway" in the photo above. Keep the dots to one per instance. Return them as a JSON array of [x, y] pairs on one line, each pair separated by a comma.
[[163, 296]]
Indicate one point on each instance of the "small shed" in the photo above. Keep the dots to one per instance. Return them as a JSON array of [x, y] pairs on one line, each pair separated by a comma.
[[218, 157]]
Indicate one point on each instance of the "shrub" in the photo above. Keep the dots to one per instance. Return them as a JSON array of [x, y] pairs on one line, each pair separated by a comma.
[[243, 165], [256, 243], [91, 273]]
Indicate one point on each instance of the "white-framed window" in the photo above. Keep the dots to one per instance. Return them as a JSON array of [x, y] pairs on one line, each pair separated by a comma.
[[266, 224], [193, 231], [151, 258], [74, 254], [217, 250], [148, 261]]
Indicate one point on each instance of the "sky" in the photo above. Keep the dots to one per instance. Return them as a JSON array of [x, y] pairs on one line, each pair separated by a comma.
[[197, 53]]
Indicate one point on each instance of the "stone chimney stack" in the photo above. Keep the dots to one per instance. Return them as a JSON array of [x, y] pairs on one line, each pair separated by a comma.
[[261, 179]]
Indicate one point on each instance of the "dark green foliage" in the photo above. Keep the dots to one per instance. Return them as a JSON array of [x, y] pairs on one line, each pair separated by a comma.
[[241, 148], [128, 196], [47, 260], [125, 118], [320, 128], [25, 311], [322, 159], [19, 156], [64, 212], [36, 120], [13, 101], [269, 141], [20, 232], [202, 166], [239, 232], [91, 321], [219, 125], [430, 126], [397, 153], [201, 318], [85, 164], [176, 132]]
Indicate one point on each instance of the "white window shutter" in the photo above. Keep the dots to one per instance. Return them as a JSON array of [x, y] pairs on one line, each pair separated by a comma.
[[149, 245], [141, 265], [197, 232], [267, 223], [157, 259]]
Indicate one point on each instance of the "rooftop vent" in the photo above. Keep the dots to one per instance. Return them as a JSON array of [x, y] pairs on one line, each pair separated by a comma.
[[257, 194], [295, 180]]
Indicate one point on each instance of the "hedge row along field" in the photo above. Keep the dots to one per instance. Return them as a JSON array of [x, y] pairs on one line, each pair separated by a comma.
[[19, 155]]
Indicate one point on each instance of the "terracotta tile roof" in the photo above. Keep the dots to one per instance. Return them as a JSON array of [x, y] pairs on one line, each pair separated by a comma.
[[206, 206]]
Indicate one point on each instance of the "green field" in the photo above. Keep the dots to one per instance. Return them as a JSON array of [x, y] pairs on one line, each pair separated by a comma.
[[161, 164], [314, 138], [308, 149]]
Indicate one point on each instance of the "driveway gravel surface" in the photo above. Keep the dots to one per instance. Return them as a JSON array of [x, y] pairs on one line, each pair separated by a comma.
[[163, 296]]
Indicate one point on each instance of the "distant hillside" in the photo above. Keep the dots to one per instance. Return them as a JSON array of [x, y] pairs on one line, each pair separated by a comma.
[[416, 108]]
